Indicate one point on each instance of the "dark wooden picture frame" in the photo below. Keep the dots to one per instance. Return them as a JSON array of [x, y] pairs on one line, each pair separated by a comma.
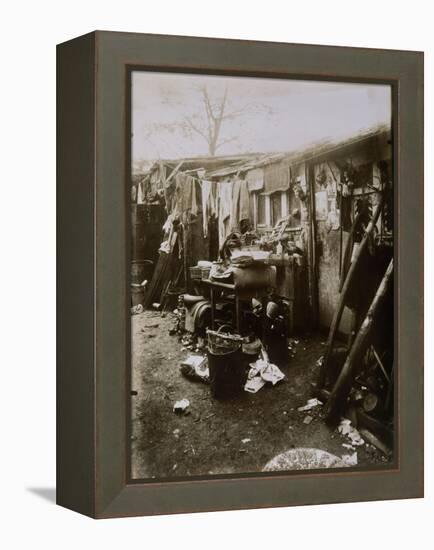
[[93, 342]]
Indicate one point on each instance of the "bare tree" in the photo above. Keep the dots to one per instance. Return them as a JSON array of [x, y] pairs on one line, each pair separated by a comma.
[[210, 119]]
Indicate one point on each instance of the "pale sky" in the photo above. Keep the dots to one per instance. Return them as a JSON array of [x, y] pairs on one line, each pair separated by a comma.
[[276, 115]]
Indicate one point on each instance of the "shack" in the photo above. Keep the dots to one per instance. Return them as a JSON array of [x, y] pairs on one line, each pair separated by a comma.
[[267, 269]]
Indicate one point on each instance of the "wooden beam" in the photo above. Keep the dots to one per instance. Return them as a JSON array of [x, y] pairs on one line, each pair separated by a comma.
[[313, 273], [341, 389]]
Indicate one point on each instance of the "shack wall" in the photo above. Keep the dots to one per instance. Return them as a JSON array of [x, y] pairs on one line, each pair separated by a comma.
[[364, 157]]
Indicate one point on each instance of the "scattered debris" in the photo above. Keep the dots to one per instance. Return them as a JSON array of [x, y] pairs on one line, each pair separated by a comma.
[[271, 373], [135, 310], [187, 342], [262, 371], [320, 361], [181, 406], [254, 384], [307, 419], [201, 344], [292, 343], [350, 460], [195, 367], [357, 395], [348, 446], [349, 431], [246, 440], [311, 403]]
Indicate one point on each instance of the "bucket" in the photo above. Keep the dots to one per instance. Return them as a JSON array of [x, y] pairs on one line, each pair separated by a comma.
[[137, 295], [275, 339], [141, 270], [227, 372]]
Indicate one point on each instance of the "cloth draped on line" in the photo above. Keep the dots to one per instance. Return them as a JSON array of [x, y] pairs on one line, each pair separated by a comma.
[[276, 178], [185, 195], [224, 209], [208, 204], [240, 208], [255, 179]]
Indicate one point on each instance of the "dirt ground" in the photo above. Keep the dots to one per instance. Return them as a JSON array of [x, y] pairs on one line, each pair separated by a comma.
[[209, 440]]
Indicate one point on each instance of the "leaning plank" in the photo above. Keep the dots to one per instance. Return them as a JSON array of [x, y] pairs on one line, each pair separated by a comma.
[[348, 250], [343, 384], [373, 440]]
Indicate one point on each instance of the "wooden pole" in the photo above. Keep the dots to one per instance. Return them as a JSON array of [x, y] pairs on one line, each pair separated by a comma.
[[348, 250], [340, 391], [312, 245], [340, 217], [340, 233]]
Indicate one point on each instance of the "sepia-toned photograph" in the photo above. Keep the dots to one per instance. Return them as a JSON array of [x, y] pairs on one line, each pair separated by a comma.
[[262, 284]]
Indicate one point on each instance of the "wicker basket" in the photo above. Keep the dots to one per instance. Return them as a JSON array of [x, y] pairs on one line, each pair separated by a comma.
[[196, 273], [222, 343], [205, 272]]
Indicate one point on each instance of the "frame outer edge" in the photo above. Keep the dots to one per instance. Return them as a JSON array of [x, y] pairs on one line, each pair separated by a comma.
[[117, 50], [75, 446]]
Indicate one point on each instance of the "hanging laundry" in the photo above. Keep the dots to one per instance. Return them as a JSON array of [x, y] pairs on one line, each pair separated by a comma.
[[255, 179], [224, 209], [244, 201], [186, 194], [212, 200], [236, 184], [140, 193], [206, 214], [194, 206], [276, 177]]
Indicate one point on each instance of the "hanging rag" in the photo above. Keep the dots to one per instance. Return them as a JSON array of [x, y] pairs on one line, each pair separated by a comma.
[[276, 178], [213, 199], [194, 209], [244, 206], [140, 193], [255, 179], [224, 209], [186, 192], [236, 185], [206, 214]]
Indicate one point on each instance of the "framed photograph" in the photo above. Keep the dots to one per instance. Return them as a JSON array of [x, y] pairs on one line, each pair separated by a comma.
[[240, 274]]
